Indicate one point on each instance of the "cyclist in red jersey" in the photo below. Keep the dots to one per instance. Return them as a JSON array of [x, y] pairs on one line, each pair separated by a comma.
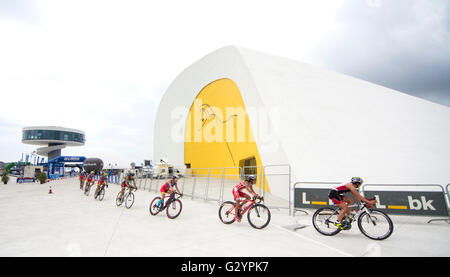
[[337, 196], [102, 181], [82, 177], [90, 179], [238, 194], [169, 187]]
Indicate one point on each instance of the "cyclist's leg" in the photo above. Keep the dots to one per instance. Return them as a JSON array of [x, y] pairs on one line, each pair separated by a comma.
[[239, 201], [349, 202], [122, 190], [343, 211], [97, 189]]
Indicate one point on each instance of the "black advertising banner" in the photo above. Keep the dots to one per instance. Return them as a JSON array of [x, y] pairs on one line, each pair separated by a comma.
[[426, 203]]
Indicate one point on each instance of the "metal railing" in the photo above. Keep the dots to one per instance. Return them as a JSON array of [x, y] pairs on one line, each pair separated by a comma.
[[444, 192], [216, 184], [315, 183], [363, 189]]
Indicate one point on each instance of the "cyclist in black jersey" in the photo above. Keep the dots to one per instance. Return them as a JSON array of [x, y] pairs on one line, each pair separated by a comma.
[[337, 196]]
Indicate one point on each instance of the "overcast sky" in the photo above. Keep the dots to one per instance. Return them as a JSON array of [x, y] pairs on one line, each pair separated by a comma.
[[103, 66]]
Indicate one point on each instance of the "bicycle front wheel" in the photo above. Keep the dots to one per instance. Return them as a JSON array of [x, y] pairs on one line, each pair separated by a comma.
[[101, 194], [226, 212], [86, 191], [375, 225], [174, 209], [258, 216], [323, 221], [129, 200]]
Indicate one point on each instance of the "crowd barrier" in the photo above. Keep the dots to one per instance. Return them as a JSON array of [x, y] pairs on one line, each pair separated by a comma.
[[411, 199], [216, 184]]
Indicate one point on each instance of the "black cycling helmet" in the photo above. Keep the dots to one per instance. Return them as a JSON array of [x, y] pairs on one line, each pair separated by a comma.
[[356, 180], [175, 177], [250, 178]]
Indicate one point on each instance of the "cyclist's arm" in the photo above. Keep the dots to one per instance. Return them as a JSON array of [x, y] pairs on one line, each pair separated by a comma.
[[176, 187], [357, 195], [250, 189]]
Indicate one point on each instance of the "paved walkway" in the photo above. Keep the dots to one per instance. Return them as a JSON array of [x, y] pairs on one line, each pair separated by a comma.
[[68, 223]]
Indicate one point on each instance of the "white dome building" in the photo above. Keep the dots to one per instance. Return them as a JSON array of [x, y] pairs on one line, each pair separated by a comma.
[[236, 107]]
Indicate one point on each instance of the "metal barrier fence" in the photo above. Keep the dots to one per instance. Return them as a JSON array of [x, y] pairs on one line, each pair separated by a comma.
[[278, 178], [412, 199], [216, 184]]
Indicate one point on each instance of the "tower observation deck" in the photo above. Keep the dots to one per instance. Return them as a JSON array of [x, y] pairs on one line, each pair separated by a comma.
[[52, 138]]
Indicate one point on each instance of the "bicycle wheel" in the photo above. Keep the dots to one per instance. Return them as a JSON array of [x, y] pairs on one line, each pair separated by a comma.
[[375, 225], [154, 209], [86, 191], [226, 212], [118, 200], [174, 209], [258, 216], [101, 194], [324, 219], [129, 200]]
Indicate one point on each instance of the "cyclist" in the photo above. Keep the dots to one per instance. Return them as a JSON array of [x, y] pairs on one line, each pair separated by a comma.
[[337, 196], [82, 178], [127, 183], [103, 181], [169, 187], [238, 194], [89, 180]]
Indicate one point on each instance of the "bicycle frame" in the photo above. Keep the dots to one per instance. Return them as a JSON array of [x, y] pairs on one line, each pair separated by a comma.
[[172, 197], [243, 202], [362, 207]]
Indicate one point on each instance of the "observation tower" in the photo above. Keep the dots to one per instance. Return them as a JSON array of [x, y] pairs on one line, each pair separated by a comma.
[[52, 138]]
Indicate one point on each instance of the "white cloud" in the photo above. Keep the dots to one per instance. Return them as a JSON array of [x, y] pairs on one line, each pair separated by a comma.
[[102, 66]]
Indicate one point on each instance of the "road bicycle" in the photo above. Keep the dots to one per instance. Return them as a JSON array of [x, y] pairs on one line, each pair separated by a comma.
[[87, 188], [258, 214], [128, 197], [100, 193], [373, 223], [172, 205]]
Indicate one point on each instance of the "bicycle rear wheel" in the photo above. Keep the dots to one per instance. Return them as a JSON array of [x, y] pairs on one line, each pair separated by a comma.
[[226, 212], [154, 209], [258, 216], [129, 200], [118, 200], [323, 221], [375, 225], [174, 209], [86, 191]]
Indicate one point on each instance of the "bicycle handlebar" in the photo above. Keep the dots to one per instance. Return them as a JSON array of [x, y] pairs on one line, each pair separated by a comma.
[[261, 199]]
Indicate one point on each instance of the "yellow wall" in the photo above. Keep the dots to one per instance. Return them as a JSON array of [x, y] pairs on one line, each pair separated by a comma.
[[218, 133]]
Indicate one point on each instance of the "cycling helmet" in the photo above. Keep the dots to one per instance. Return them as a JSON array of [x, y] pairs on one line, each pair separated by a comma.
[[357, 180], [250, 178], [175, 177]]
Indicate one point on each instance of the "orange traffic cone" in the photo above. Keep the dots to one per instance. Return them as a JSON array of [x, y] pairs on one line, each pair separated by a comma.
[[50, 191]]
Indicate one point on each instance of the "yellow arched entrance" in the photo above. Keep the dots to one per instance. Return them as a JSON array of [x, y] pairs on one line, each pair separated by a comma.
[[218, 133]]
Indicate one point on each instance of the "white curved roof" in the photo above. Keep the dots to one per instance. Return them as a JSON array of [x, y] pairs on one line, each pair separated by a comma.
[[46, 141], [52, 128], [329, 126]]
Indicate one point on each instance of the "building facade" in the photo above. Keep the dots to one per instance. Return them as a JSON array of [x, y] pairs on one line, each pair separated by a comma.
[[238, 107]]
